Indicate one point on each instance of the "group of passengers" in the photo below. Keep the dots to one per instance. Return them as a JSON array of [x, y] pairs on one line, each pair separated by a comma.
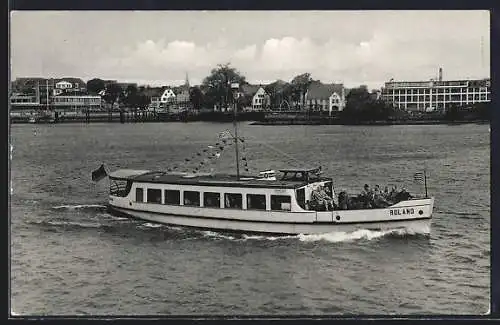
[[373, 198], [322, 199]]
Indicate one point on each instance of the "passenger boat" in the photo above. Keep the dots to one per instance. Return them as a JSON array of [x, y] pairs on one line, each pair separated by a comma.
[[263, 203], [251, 204]]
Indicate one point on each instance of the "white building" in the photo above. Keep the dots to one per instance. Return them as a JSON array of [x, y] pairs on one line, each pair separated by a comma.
[[76, 102], [260, 100], [168, 96], [325, 97], [436, 94]]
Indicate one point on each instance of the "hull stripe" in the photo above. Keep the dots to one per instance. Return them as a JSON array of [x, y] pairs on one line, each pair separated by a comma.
[[270, 221]]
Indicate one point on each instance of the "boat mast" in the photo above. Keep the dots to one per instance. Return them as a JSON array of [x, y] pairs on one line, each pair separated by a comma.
[[235, 124], [47, 93]]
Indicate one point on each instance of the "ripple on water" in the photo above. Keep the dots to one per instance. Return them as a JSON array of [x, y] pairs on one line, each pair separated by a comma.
[[59, 219]]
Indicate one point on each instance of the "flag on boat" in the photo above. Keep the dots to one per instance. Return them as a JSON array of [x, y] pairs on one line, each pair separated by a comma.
[[99, 174], [225, 134], [419, 177]]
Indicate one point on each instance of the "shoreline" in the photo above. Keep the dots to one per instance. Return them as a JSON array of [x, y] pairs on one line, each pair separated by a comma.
[[254, 118], [260, 123]]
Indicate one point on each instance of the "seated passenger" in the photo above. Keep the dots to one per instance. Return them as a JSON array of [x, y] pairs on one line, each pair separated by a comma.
[[392, 194], [367, 196], [386, 193], [403, 195], [343, 200], [378, 199], [322, 199]]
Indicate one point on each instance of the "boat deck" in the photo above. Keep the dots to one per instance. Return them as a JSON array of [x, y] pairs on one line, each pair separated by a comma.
[[212, 180]]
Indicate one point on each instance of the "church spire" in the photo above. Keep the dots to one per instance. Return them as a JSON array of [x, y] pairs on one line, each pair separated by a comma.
[[187, 80]]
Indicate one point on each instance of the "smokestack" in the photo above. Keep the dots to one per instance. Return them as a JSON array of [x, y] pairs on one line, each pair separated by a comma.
[[440, 78]]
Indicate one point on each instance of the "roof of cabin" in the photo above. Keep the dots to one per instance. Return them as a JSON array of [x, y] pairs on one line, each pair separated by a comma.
[[223, 180]]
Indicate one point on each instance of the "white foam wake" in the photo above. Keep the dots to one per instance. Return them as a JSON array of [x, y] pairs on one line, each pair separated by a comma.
[[72, 224], [216, 235], [79, 206], [334, 237], [151, 225]]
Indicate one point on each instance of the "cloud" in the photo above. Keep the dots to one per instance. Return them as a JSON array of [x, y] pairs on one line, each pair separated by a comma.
[[246, 54]]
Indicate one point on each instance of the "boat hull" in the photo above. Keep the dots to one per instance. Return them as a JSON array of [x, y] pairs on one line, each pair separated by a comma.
[[412, 225]]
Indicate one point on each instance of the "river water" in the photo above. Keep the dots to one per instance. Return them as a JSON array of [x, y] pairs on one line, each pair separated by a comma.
[[70, 257]]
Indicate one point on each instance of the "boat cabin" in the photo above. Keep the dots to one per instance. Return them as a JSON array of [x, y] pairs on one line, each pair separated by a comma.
[[291, 192]]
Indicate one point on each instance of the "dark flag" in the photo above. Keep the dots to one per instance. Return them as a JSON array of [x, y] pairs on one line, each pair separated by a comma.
[[99, 174], [419, 178]]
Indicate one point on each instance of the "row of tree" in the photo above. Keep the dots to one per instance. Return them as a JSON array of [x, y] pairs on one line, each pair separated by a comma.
[[214, 90]]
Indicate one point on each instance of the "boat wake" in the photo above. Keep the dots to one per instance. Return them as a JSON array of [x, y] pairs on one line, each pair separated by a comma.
[[361, 234], [68, 224], [80, 207], [333, 237]]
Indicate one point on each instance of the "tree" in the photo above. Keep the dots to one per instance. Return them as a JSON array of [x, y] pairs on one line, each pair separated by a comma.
[[131, 96], [112, 93], [94, 86], [142, 101], [276, 92], [218, 84], [300, 85], [362, 106], [196, 97], [453, 113]]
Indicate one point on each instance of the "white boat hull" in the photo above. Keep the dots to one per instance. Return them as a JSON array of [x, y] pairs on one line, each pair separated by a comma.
[[413, 216]]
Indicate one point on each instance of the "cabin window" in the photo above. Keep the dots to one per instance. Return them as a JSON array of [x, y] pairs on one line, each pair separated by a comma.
[[192, 198], [301, 197], [281, 202], [139, 195], [211, 200], [154, 195], [172, 197], [256, 201], [233, 201]]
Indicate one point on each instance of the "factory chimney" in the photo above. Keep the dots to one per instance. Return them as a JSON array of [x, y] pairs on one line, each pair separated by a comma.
[[440, 78]]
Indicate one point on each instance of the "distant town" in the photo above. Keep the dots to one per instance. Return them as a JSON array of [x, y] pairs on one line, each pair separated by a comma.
[[300, 100]]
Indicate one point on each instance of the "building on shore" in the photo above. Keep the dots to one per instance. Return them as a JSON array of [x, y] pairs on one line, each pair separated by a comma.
[[30, 95], [76, 102], [435, 95], [325, 97], [254, 98]]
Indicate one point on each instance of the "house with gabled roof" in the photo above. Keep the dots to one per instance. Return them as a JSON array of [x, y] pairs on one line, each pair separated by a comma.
[[325, 97], [256, 97]]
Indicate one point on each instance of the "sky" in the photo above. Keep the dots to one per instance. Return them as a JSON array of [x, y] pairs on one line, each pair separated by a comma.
[[162, 47]]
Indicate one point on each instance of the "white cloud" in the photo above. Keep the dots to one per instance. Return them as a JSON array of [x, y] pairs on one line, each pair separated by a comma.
[[246, 54], [351, 47]]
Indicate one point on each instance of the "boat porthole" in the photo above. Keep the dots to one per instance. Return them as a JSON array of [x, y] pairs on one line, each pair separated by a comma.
[[420, 212], [337, 217]]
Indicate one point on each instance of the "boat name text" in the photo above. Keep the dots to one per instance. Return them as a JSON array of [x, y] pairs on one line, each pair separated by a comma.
[[398, 212]]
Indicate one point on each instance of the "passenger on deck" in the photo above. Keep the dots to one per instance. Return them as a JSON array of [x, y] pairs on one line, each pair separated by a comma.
[[378, 198], [385, 195], [367, 196], [403, 195], [322, 198], [392, 194], [343, 199]]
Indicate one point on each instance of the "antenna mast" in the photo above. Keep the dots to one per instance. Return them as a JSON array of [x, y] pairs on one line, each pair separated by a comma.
[[235, 87]]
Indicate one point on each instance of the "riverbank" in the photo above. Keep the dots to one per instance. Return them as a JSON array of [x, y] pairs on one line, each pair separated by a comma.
[[137, 117], [256, 118], [381, 123]]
